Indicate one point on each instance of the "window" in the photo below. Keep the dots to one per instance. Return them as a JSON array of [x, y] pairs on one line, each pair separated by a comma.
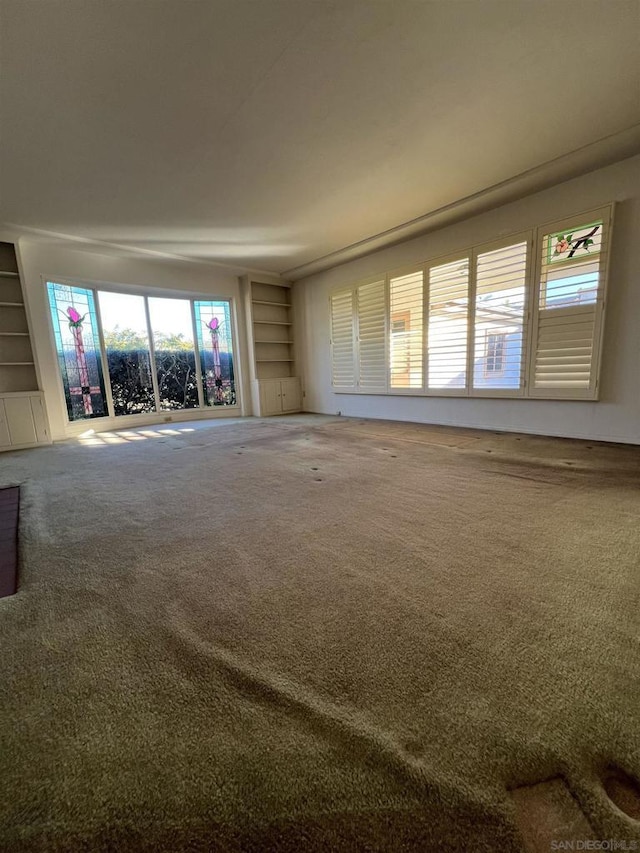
[[406, 344], [495, 347], [501, 278], [175, 357], [213, 330], [372, 369], [342, 340], [488, 322], [124, 327], [359, 338], [448, 325], [570, 307], [148, 352], [75, 329]]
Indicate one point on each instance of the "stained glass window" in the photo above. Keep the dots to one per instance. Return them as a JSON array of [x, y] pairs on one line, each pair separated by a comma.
[[124, 330], [75, 328], [213, 328], [172, 330], [149, 352], [571, 267]]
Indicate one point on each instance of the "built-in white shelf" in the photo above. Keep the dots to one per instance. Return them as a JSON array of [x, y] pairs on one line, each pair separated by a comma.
[[17, 368], [275, 388]]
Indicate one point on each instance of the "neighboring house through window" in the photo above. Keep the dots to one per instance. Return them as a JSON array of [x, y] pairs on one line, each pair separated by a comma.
[[495, 354]]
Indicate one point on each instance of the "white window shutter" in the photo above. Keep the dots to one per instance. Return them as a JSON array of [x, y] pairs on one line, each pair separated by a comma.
[[342, 340], [372, 328], [500, 298], [406, 339], [448, 328], [569, 307]]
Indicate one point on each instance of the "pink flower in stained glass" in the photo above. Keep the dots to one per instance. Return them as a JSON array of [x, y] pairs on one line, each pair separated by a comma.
[[73, 315], [213, 324]]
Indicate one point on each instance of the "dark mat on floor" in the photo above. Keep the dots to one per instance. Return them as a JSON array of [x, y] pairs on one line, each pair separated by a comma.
[[9, 502]]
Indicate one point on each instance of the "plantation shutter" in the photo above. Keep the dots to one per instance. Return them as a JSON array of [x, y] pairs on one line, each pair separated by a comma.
[[406, 330], [372, 373], [569, 308], [501, 279], [448, 326], [342, 340]]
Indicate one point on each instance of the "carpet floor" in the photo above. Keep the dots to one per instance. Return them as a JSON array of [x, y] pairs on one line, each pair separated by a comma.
[[314, 633]]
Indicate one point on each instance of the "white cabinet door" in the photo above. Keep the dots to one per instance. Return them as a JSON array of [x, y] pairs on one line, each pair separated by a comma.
[[5, 438], [39, 420], [22, 429], [270, 397], [291, 394], [23, 421]]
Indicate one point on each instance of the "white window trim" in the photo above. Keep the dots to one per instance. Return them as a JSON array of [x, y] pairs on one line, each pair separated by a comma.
[[533, 237], [112, 421], [493, 245], [407, 269], [592, 393]]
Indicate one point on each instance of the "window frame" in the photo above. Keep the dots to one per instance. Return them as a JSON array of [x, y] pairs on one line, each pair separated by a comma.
[[144, 418], [606, 214], [533, 238], [502, 336], [399, 272], [492, 246], [441, 261]]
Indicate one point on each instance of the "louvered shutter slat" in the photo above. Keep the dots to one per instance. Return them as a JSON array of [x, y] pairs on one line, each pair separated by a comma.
[[448, 325], [371, 337], [342, 341], [501, 276], [406, 333], [568, 311]]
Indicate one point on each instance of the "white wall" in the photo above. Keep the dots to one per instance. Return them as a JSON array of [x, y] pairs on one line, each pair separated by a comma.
[[615, 417], [41, 260]]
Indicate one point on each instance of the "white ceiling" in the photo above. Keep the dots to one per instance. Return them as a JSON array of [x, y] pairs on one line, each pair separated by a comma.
[[269, 133]]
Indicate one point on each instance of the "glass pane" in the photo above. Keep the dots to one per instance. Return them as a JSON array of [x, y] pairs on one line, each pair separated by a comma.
[[571, 267], [500, 299], [175, 354], [406, 348], [448, 324], [573, 245], [124, 328], [75, 327], [213, 327]]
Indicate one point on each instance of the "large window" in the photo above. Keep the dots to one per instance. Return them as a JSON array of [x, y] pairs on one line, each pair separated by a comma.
[[448, 324], [520, 317], [406, 344], [124, 327], [570, 302], [175, 357], [501, 278], [156, 353], [75, 327], [213, 331]]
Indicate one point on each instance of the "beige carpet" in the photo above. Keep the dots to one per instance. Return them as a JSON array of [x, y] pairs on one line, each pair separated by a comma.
[[316, 634]]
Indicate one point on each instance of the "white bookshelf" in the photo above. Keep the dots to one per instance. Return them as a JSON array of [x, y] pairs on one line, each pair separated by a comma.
[[275, 385], [23, 421]]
